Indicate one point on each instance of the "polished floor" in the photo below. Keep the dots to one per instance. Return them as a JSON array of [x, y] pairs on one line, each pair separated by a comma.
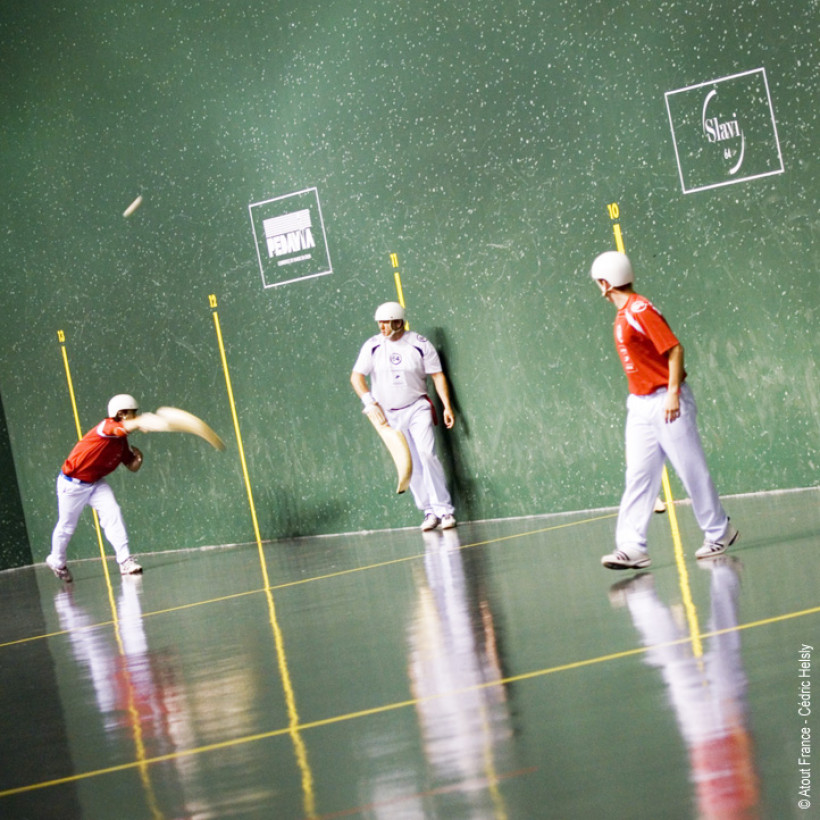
[[493, 671]]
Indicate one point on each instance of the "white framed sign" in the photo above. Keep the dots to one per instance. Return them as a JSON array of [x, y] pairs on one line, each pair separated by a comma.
[[289, 233], [724, 131]]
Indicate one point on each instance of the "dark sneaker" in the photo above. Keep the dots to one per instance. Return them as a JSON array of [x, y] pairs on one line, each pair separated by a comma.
[[63, 572]]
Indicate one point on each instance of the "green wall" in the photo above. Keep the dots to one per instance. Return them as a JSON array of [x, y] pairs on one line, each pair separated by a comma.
[[15, 550], [482, 144]]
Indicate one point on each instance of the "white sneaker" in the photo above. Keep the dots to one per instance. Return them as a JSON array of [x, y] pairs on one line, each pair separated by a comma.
[[130, 567], [626, 558], [710, 548], [430, 522], [448, 522], [62, 572]]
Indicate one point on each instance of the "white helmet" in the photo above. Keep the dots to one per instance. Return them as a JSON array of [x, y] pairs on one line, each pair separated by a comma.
[[389, 311], [613, 267], [122, 401]]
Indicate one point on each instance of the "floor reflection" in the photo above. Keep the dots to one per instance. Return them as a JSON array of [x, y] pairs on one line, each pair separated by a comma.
[[127, 696], [486, 679], [150, 708], [455, 671], [707, 690], [117, 665]]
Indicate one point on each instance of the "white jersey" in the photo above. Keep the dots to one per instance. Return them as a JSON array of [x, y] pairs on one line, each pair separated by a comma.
[[398, 370]]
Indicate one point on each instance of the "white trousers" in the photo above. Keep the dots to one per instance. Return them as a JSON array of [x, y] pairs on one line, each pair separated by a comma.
[[650, 440], [72, 499], [427, 483]]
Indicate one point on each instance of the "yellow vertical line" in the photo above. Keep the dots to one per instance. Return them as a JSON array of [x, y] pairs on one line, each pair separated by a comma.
[[490, 769], [106, 573], [394, 261], [287, 685], [132, 710], [294, 721], [136, 724], [683, 575], [619, 240], [399, 290], [100, 544], [61, 337], [240, 445], [489, 763]]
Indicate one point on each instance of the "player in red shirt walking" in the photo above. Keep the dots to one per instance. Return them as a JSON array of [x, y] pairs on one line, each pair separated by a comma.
[[81, 482], [660, 424]]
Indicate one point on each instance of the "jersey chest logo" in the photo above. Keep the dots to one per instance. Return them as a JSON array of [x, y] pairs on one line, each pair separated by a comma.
[[395, 358], [626, 359]]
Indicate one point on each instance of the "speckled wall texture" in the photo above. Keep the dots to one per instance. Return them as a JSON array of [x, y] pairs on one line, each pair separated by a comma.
[[481, 143]]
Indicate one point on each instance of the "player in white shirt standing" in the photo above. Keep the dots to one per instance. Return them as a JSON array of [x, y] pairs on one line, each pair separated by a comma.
[[397, 362]]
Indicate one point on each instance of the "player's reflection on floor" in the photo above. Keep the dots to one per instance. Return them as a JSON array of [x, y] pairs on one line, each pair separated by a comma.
[[707, 692]]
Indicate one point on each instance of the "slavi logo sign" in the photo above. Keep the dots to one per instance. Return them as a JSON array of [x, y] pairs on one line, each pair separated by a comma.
[[290, 238], [724, 131]]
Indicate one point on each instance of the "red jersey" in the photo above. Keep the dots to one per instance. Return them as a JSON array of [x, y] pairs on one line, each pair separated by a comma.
[[99, 452], [643, 340]]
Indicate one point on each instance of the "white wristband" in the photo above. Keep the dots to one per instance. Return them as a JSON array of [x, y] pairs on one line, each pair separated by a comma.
[[367, 399]]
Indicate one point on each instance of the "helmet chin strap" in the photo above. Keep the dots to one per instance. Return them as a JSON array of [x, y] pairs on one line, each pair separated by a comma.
[[398, 331]]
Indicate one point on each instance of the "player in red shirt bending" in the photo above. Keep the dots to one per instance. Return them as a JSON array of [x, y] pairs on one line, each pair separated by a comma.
[[81, 482], [660, 423]]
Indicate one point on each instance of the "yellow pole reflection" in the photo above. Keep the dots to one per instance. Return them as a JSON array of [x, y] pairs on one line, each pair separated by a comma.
[[133, 714], [290, 699], [452, 647]]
